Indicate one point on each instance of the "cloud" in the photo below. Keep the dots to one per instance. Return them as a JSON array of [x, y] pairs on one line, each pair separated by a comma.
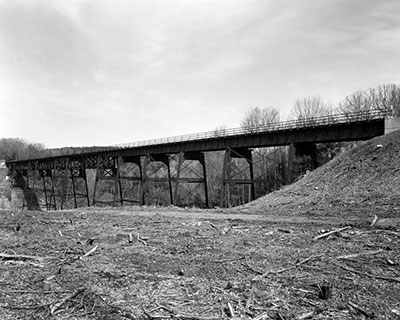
[[122, 70]]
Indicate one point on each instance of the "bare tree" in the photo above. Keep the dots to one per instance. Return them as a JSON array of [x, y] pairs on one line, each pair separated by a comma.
[[266, 161], [17, 149], [257, 119], [384, 98], [219, 131], [309, 111], [309, 108]]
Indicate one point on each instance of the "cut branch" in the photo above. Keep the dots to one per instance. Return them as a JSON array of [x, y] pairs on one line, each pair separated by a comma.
[[6, 256], [57, 305], [356, 255], [360, 310], [327, 234], [367, 274], [89, 252], [258, 278]]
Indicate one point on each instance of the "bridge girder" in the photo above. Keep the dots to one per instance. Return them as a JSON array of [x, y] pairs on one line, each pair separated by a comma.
[[107, 163]]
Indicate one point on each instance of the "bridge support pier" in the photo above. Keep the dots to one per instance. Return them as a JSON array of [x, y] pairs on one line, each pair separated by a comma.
[[48, 188], [61, 179], [290, 160], [300, 150], [107, 171], [79, 183], [131, 181], [151, 176], [25, 180], [307, 149], [30, 198], [199, 177], [230, 173]]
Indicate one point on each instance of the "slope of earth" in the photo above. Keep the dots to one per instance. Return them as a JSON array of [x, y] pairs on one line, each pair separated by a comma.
[[366, 176], [115, 265]]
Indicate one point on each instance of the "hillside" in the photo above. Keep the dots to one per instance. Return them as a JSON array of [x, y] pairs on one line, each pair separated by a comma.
[[368, 175]]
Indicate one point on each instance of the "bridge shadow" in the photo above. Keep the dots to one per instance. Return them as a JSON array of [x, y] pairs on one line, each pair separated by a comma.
[[30, 199]]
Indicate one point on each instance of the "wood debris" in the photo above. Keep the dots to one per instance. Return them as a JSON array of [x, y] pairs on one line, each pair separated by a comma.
[[327, 234], [91, 251], [6, 256]]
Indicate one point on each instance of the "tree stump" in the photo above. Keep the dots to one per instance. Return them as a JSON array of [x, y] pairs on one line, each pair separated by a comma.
[[325, 291]]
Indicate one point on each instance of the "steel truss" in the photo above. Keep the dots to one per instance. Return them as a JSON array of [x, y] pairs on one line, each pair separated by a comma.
[[63, 178], [107, 171], [187, 172], [234, 175], [130, 179], [155, 177]]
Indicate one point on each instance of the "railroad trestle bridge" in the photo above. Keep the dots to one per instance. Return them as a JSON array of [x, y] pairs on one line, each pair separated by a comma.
[[128, 171]]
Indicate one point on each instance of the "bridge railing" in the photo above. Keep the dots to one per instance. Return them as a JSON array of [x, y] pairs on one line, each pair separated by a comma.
[[271, 127]]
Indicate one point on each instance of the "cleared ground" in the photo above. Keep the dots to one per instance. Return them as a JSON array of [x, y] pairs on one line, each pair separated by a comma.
[[152, 263]]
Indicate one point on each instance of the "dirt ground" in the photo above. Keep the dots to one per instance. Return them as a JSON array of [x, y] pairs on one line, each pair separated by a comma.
[[153, 263], [366, 176]]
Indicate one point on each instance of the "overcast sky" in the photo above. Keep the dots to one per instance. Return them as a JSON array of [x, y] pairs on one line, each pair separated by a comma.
[[96, 72]]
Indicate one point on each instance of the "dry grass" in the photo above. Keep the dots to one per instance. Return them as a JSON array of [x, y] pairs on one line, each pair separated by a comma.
[[191, 267]]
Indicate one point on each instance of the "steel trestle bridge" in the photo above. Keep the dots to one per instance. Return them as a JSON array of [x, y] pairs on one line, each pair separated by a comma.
[[41, 174]]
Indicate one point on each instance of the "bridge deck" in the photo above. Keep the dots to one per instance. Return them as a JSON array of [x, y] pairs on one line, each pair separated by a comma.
[[335, 128]]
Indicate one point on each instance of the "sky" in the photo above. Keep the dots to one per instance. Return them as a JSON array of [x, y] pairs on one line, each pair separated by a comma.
[[97, 72]]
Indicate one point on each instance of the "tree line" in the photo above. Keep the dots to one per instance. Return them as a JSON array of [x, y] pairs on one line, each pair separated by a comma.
[[385, 97], [270, 164]]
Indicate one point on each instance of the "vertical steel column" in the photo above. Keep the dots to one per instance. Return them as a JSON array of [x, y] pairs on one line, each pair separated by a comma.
[[141, 184], [66, 168], [45, 190], [291, 155], [144, 180], [225, 174], [252, 184], [53, 192], [25, 190], [203, 162], [115, 171], [178, 174], [171, 199], [86, 187], [120, 162], [32, 190], [72, 173], [96, 180]]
